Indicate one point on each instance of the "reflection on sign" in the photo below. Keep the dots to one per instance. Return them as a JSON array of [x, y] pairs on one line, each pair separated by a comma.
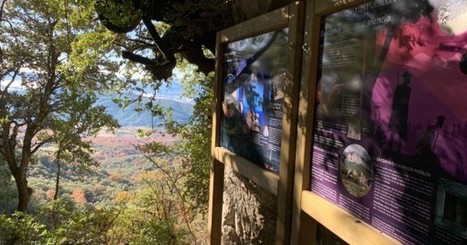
[[254, 80], [390, 137]]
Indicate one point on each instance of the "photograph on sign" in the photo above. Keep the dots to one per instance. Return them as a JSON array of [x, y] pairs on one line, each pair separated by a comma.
[[390, 131], [254, 73]]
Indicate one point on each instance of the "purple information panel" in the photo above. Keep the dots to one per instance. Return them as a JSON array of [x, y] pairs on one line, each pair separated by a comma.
[[254, 78], [390, 136]]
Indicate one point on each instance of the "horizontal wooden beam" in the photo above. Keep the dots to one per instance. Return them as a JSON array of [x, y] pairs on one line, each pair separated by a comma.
[[275, 20], [253, 172], [341, 223]]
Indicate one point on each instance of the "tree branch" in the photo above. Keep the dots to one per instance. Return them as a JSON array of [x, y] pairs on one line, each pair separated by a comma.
[[122, 45], [155, 35], [141, 42], [138, 58], [144, 37], [159, 42], [196, 56], [36, 146], [1, 9], [158, 70], [7, 152], [15, 73]]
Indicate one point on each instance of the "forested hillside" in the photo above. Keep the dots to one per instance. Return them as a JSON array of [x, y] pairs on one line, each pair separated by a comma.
[[119, 169], [122, 175], [124, 182]]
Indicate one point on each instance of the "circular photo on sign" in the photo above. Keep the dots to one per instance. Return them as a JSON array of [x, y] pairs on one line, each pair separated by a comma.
[[356, 170]]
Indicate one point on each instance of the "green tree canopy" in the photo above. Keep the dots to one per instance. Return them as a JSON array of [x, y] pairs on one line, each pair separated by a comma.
[[55, 60]]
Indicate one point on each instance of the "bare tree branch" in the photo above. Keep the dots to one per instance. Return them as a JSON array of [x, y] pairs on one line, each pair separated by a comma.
[[36, 146], [1, 9], [154, 34], [196, 56], [141, 41], [137, 58], [7, 86]]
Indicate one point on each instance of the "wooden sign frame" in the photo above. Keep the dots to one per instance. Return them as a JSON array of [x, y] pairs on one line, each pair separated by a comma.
[[310, 209], [279, 184], [301, 211]]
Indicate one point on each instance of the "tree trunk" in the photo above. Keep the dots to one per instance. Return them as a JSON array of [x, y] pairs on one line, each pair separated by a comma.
[[57, 178], [24, 192], [19, 172]]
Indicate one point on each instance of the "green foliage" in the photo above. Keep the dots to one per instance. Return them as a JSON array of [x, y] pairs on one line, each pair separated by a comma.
[[72, 225], [196, 138], [148, 209], [157, 214], [60, 222], [21, 228], [120, 16], [8, 195], [157, 232]]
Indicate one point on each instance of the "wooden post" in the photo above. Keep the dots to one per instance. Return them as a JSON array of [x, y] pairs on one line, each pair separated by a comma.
[[303, 229], [282, 184], [289, 124], [216, 189], [216, 184], [309, 209]]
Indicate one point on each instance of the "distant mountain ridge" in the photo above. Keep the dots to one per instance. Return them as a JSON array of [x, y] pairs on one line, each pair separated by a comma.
[[168, 96], [181, 112]]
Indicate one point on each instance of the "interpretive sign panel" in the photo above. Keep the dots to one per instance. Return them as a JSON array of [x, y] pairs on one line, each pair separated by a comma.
[[254, 78], [390, 137]]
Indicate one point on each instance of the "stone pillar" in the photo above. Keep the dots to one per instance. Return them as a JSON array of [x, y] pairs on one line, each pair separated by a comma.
[[249, 212]]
